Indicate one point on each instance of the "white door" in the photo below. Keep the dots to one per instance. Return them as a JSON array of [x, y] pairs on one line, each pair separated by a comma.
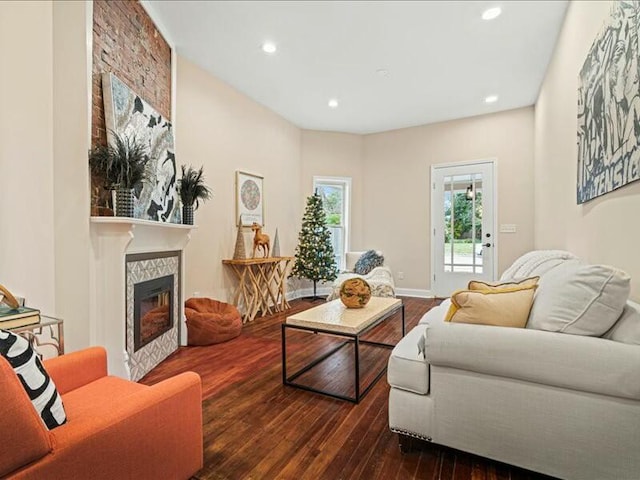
[[462, 224]]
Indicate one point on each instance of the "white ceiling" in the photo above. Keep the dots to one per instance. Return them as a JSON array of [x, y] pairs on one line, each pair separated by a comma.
[[442, 58]]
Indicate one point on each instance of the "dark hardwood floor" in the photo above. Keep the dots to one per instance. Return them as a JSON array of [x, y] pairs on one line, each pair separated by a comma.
[[256, 428]]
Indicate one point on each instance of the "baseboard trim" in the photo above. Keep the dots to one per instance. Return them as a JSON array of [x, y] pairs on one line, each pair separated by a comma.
[[308, 292], [414, 292], [325, 291]]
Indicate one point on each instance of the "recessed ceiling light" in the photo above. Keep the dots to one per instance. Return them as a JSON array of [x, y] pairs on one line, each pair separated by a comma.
[[333, 103], [269, 47], [491, 99], [383, 72], [491, 13]]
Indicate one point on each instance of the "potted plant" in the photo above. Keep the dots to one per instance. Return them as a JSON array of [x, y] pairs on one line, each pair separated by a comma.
[[192, 190], [121, 165]]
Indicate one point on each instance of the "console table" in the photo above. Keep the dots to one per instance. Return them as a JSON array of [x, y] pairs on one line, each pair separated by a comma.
[[47, 324], [261, 285]]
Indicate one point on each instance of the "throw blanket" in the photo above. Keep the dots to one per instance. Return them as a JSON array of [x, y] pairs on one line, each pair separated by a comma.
[[534, 263], [380, 279]]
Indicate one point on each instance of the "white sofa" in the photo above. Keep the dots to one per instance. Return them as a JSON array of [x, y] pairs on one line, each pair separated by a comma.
[[380, 279], [561, 404]]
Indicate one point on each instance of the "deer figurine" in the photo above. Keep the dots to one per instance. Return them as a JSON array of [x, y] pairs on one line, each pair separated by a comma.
[[260, 240]]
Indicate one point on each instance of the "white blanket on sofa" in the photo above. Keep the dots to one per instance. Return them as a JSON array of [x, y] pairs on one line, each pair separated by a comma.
[[380, 279]]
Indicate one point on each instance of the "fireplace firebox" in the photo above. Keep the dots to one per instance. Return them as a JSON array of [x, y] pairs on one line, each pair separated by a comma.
[[152, 310]]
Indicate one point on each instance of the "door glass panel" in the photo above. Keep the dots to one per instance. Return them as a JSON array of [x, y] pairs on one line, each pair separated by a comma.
[[463, 223]]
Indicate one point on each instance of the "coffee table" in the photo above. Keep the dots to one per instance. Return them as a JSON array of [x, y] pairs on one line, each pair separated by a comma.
[[333, 318]]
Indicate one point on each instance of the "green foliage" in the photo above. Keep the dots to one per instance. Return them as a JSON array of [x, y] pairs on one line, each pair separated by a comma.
[[192, 188], [462, 227], [122, 163], [314, 253], [333, 218], [332, 204]]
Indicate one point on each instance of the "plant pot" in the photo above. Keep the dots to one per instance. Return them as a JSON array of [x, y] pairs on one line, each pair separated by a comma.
[[187, 214], [124, 202]]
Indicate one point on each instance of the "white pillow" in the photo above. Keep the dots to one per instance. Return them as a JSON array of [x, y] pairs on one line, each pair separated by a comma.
[[579, 299]]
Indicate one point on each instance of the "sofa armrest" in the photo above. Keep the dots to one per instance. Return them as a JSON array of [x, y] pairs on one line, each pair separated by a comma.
[[154, 433], [24, 436], [76, 369], [576, 362]]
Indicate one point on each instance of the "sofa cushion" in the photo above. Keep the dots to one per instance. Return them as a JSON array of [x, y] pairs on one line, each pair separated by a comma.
[[408, 369], [34, 378], [367, 262], [627, 327], [525, 282], [93, 400], [505, 307], [579, 299]]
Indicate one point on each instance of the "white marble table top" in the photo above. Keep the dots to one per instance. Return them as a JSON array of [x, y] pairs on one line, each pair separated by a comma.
[[335, 317]]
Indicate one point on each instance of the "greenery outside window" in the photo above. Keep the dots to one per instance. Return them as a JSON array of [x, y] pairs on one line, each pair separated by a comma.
[[335, 193]]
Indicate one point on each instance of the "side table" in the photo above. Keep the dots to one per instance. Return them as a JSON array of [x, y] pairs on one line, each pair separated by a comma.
[[261, 285], [34, 333]]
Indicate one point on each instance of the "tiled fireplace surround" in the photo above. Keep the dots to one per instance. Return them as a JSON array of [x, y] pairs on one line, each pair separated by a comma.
[[127, 251]]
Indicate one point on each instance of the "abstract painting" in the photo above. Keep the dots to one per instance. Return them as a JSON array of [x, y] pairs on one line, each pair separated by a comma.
[[609, 106], [128, 114]]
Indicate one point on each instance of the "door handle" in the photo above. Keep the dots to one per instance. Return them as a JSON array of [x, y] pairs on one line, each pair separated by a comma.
[[486, 245]]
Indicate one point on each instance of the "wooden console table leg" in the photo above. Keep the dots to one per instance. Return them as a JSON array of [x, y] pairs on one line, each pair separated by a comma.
[[261, 285], [262, 298]]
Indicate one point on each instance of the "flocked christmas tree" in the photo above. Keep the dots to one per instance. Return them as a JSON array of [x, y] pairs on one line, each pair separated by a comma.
[[314, 254]]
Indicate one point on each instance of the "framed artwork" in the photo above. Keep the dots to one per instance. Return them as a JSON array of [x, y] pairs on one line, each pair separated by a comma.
[[126, 113], [609, 106], [249, 199]]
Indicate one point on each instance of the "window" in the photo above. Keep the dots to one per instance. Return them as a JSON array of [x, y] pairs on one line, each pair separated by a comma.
[[335, 193]]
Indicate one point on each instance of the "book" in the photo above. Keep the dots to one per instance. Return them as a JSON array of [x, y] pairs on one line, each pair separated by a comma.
[[20, 322], [8, 313]]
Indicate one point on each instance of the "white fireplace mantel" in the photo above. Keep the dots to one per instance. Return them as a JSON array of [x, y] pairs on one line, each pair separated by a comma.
[[112, 239]]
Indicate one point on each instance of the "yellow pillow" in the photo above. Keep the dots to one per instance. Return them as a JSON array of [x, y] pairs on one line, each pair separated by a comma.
[[478, 285], [505, 307]]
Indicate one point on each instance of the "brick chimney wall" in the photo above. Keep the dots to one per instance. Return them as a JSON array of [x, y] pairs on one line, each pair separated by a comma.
[[127, 43]]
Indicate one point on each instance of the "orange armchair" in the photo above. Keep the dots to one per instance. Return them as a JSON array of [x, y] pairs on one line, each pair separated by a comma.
[[115, 428]]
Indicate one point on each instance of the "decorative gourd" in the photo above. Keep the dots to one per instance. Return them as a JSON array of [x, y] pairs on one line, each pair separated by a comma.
[[355, 293]]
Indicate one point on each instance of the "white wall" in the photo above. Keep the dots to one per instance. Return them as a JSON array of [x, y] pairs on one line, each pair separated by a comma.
[[606, 229], [44, 199], [26, 152], [225, 131], [72, 22], [396, 201], [334, 154]]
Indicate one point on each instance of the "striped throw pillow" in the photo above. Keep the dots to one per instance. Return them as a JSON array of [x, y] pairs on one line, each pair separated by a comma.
[[41, 390]]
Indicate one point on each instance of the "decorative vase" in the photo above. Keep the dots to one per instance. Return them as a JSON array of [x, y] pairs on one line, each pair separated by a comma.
[[187, 214], [124, 202], [355, 293]]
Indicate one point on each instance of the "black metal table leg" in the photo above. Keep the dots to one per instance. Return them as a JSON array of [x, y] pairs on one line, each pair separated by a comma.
[[284, 354], [357, 349], [350, 337]]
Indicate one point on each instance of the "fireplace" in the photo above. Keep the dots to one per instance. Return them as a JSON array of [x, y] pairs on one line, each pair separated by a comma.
[[125, 252], [152, 310]]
